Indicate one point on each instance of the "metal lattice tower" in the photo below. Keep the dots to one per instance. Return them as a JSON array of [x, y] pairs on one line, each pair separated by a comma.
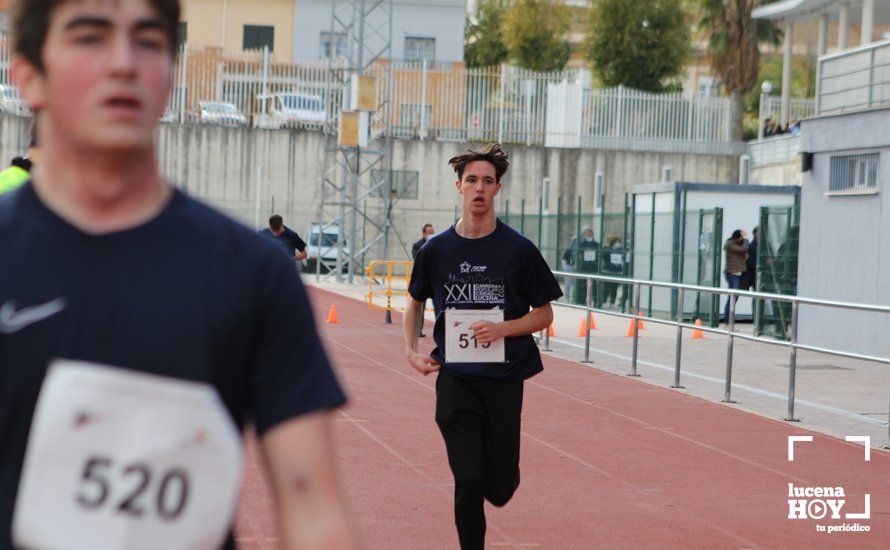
[[348, 192]]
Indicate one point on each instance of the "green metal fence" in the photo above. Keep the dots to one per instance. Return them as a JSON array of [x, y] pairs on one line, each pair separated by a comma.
[[664, 247], [776, 268], [682, 246]]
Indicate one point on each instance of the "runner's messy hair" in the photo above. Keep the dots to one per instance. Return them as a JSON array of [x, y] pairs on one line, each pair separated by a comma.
[[492, 153], [31, 19]]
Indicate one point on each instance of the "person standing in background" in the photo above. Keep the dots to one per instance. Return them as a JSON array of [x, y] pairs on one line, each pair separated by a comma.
[[427, 232], [20, 168], [736, 251]]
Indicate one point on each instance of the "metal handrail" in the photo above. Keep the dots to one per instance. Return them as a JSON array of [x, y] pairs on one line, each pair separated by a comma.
[[732, 291], [839, 62], [854, 51], [681, 288]]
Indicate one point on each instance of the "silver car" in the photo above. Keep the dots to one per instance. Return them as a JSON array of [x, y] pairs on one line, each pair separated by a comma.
[[220, 113]]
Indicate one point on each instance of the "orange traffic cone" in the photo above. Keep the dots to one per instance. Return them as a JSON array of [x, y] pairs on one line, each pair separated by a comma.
[[697, 334], [332, 315], [640, 322], [583, 329], [552, 330], [633, 327]]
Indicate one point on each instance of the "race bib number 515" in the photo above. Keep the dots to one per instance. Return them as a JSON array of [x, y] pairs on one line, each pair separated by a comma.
[[461, 345], [120, 459]]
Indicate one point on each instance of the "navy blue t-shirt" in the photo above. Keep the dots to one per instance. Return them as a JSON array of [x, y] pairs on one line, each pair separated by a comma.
[[190, 294], [502, 269], [289, 240]]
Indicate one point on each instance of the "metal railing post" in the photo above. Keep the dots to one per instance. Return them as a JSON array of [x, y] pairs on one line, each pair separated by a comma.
[[522, 216], [636, 329], [501, 94], [388, 317], [587, 324], [423, 100], [678, 351], [871, 77], [727, 391], [547, 339], [265, 77], [792, 363], [887, 446], [183, 85]]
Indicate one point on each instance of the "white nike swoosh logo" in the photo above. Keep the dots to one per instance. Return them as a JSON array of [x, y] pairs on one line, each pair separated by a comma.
[[13, 321]]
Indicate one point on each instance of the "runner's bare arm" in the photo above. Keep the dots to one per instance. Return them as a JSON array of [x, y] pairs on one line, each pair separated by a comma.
[[537, 319], [311, 508], [422, 363]]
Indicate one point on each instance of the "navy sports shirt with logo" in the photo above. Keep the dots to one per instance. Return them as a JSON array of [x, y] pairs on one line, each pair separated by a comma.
[[189, 294], [289, 240], [502, 269]]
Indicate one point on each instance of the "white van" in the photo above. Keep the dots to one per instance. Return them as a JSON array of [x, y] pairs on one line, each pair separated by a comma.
[[292, 110], [322, 243]]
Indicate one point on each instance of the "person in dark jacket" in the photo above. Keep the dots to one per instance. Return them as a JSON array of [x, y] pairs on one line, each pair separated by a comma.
[[612, 264], [428, 232], [749, 278], [585, 256], [736, 252]]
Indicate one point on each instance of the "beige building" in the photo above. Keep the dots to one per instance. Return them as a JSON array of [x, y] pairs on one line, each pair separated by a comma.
[[234, 25]]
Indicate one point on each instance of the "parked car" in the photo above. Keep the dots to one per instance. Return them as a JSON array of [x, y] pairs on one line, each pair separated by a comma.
[[220, 113], [11, 102], [322, 244], [292, 110], [170, 116]]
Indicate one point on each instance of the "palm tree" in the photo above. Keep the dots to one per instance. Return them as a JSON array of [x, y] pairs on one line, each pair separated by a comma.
[[733, 40]]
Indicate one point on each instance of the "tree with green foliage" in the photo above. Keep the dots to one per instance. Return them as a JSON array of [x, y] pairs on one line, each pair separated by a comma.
[[484, 41], [733, 44], [803, 84], [536, 34], [641, 44]]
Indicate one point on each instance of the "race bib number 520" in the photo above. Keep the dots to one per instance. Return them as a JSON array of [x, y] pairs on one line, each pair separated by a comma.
[[461, 344], [120, 459]]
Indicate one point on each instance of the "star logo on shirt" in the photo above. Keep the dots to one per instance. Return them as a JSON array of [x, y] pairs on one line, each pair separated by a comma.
[[465, 267]]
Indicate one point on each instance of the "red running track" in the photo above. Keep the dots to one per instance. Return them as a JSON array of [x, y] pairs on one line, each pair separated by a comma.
[[607, 462]]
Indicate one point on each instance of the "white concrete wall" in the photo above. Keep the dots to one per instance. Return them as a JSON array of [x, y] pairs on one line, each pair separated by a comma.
[[844, 244], [443, 20], [777, 174]]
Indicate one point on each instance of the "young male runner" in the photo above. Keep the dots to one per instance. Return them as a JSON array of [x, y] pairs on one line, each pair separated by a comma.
[[105, 262], [491, 290]]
